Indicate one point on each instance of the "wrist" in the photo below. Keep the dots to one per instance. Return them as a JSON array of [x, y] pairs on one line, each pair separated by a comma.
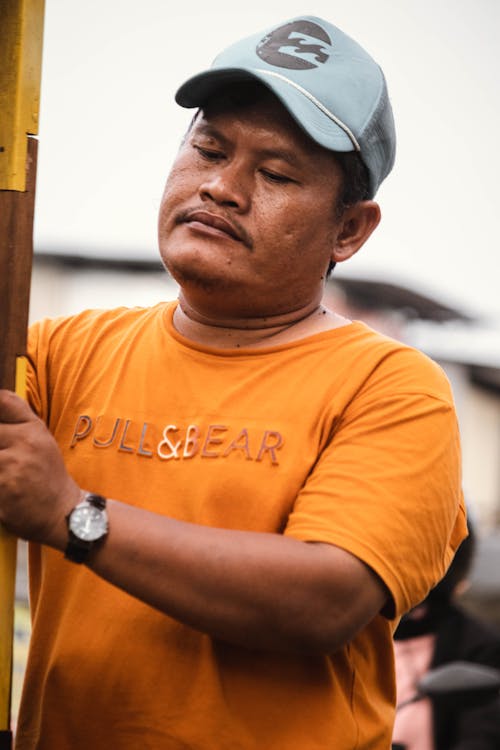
[[87, 527], [55, 531]]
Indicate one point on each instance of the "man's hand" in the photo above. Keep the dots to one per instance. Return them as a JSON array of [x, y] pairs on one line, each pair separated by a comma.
[[36, 491]]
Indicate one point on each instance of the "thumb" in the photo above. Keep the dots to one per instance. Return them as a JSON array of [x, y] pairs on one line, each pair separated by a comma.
[[14, 409]]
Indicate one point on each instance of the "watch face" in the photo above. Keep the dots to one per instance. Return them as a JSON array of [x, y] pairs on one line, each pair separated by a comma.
[[88, 523]]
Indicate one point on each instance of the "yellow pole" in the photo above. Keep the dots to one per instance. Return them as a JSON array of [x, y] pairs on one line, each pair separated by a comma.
[[21, 34]]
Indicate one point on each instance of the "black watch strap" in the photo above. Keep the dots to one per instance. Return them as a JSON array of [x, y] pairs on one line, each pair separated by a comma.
[[77, 550], [98, 501]]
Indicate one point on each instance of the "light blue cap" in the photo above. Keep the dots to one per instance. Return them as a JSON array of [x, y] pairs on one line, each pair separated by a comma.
[[333, 89]]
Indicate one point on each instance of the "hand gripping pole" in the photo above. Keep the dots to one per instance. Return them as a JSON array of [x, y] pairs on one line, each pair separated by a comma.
[[21, 32]]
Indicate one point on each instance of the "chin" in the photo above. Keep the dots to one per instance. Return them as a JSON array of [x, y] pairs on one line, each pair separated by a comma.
[[191, 276]]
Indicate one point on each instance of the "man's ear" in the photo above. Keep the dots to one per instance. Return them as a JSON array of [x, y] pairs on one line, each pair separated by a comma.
[[357, 224]]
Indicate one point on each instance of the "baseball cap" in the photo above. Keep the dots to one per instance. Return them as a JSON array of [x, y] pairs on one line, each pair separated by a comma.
[[328, 83]]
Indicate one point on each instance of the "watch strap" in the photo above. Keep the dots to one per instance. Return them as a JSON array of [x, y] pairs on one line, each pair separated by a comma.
[[77, 550], [98, 501]]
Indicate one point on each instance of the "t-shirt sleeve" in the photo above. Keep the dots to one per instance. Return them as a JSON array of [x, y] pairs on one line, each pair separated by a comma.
[[53, 344], [387, 485], [50, 360]]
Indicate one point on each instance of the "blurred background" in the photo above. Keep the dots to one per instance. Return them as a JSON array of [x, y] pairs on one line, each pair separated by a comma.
[[109, 130]]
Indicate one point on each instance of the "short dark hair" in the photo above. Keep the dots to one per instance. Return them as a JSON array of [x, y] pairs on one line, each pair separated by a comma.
[[355, 187], [356, 184]]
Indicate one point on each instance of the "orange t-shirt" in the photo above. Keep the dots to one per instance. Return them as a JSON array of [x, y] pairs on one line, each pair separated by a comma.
[[345, 437]]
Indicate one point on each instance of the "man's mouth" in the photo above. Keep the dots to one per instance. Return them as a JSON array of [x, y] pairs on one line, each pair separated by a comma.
[[218, 222]]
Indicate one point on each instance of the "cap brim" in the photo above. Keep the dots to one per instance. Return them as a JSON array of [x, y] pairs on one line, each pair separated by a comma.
[[308, 115]]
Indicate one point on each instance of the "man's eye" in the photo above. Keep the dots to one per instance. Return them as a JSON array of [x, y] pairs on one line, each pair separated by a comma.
[[209, 154], [280, 179]]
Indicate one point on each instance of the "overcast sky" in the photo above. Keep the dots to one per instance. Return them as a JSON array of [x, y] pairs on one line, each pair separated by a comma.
[[110, 128]]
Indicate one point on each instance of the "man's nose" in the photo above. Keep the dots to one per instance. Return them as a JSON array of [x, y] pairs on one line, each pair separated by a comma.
[[227, 186]]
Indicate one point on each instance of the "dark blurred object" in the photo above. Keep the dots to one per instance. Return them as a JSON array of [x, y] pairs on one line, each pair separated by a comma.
[[462, 680], [462, 637], [482, 598], [466, 683]]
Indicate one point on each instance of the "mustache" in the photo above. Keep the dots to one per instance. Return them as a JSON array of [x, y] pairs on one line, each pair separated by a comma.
[[244, 237]]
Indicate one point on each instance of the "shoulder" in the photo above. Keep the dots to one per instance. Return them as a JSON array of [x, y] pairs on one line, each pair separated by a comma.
[[393, 366], [75, 330]]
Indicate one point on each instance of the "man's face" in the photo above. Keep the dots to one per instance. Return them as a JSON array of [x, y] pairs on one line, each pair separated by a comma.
[[247, 221]]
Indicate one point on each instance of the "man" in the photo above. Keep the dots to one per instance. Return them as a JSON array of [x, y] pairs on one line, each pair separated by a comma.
[[280, 483]]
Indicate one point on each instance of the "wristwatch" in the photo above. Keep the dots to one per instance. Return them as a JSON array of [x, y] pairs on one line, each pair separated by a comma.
[[87, 527]]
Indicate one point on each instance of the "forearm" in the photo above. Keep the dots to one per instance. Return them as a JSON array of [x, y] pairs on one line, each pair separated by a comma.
[[261, 591]]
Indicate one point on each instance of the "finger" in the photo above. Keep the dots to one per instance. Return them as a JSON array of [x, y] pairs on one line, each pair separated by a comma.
[[14, 409], [11, 434]]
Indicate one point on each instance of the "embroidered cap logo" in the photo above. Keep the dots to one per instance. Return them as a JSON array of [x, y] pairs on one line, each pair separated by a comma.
[[299, 45]]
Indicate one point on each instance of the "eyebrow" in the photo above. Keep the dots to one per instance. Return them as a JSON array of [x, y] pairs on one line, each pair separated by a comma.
[[285, 154]]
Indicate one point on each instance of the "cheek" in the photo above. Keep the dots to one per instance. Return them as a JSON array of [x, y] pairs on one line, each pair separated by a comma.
[[275, 218], [179, 186], [304, 241], [284, 224]]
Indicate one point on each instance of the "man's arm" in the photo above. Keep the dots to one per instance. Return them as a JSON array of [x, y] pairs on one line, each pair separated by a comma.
[[264, 591]]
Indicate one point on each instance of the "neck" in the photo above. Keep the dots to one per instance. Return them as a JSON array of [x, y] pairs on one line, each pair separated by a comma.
[[254, 332]]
